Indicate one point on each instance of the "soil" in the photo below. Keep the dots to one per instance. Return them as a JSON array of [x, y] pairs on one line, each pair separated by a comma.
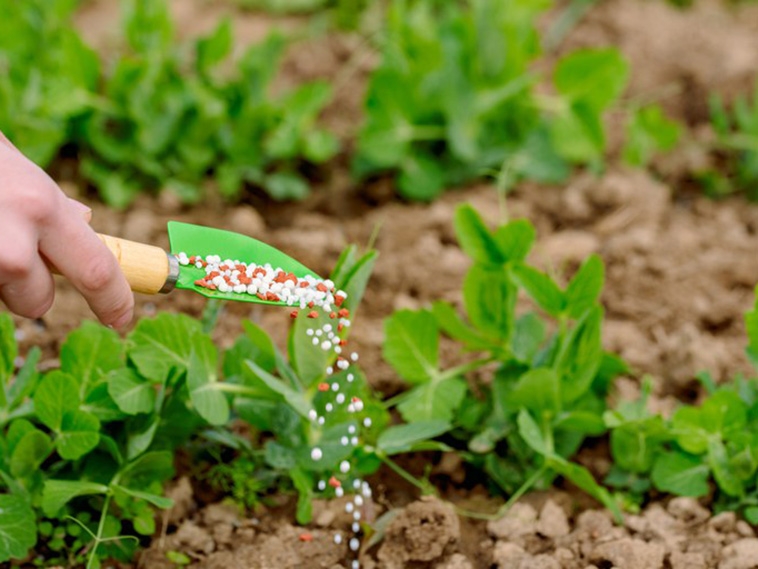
[[680, 275]]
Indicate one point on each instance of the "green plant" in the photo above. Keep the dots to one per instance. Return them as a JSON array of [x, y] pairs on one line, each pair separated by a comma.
[[47, 76], [712, 445], [93, 441], [453, 98], [171, 121], [276, 395], [737, 145], [648, 132], [550, 374], [588, 82], [445, 105]]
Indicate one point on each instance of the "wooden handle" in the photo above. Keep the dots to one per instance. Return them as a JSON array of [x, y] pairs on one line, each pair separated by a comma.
[[148, 269]]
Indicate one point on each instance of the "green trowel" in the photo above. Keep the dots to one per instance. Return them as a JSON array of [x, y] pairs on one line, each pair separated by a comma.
[[151, 270]]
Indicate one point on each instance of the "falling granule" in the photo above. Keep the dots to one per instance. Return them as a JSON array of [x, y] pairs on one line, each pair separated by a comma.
[[316, 453]]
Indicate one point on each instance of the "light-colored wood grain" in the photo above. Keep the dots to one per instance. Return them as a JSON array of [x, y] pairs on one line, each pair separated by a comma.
[[146, 267]]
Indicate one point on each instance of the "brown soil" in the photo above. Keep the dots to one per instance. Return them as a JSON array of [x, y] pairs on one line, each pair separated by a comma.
[[680, 275]]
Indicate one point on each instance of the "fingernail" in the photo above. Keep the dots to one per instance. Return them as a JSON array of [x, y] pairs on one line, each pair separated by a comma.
[[123, 321], [81, 208]]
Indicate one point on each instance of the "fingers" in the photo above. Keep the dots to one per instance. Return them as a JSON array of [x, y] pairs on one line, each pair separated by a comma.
[[38, 224], [76, 251], [26, 287], [81, 209]]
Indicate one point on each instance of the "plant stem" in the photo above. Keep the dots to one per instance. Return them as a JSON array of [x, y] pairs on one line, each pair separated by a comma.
[[465, 368], [100, 530], [211, 313], [405, 474], [515, 497]]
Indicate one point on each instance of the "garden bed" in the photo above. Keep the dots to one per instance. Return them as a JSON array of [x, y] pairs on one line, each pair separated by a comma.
[[680, 275]]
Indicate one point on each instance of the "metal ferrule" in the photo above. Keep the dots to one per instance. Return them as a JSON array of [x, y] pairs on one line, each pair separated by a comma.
[[173, 274]]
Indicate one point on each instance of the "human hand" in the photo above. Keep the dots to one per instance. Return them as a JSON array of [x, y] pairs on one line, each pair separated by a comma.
[[40, 227]]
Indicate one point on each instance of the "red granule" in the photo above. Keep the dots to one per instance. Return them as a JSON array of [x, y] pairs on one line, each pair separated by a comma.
[[334, 483]]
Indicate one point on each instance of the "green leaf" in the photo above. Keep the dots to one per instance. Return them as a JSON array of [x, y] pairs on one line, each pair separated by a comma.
[[421, 178], [532, 434], [515, 239], [490, 300], [213, 49], [130, 392], [582, 477], [453, 325], [256, 345], [161, 344], [8, 352], [202, 379], [579, 362], [751, 324], [286, 186], [723, 472], [303, 483], [141, 434], [577, 134], [57, 394], [584, 289], [320, 146], [18, 530], [649, 131], [538, 390], [594, 76], [437, 399], [91, 352], [308, 359], [720, 414], [528, 335], [474, 237], [411, 345], [157, 501], [58, 493], [295, 399], [18, 428], [357, 279], [26, 379], [584, 422], [680, 474], [344, 264], [278, 456], [79, 434], [541, 288], [400, 438], [635, 445], [29, 453], [154, 466]]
